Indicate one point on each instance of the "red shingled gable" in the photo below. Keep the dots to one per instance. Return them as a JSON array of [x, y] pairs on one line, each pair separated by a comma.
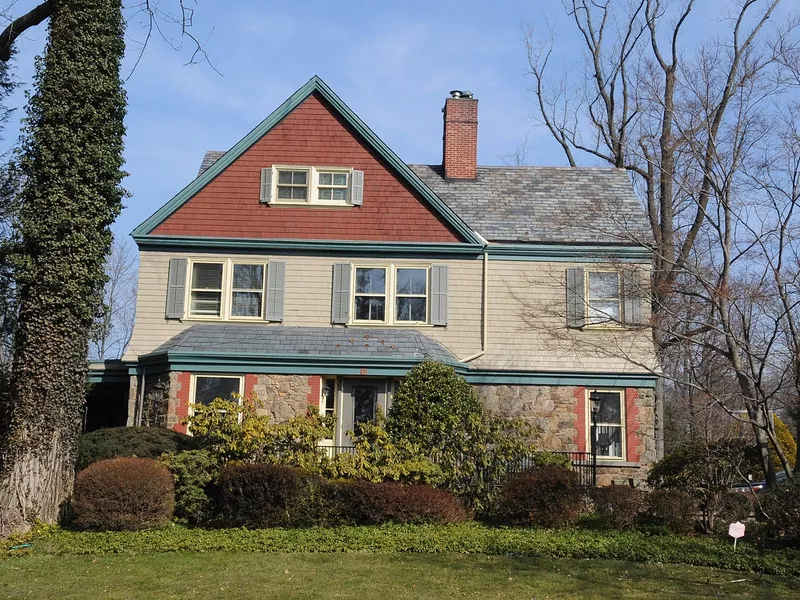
[[312, 134]]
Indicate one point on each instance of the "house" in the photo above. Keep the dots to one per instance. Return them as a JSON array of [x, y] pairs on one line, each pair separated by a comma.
[[309, 264]]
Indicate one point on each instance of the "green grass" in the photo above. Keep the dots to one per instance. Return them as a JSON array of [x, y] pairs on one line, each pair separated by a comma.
[[466, 538], [221, 575]]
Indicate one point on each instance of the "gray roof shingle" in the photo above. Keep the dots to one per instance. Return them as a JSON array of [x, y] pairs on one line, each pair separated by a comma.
[[544, 204], [559, 205], [401, 344]]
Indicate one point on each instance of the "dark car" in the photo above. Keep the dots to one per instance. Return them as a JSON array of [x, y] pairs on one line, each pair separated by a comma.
[[758, 486]]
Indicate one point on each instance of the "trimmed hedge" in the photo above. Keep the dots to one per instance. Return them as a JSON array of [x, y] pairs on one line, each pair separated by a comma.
[[258, 496], [547, 497], [618, 506], [469, 538], [123, 493], [781, 511], [141, 442], [676, 510]]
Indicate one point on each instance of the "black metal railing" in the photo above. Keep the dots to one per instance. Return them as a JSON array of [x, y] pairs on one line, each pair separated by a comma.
[[581, 461]]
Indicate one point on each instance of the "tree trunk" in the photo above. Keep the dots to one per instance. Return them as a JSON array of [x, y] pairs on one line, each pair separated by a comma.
[[71, 160]]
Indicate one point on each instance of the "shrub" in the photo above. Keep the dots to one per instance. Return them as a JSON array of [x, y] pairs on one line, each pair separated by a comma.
[[193, 472], [548, 497], [780, 510], [376, 458], [123, 494], [544, 458], [259, 495], [618, 506], [677, 510], [706, 471], [141, 442], [787, 442], [364, 503], [437, 410], [733, 506]]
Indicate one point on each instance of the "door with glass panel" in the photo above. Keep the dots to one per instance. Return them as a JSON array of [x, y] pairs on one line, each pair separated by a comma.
[[361, 398]]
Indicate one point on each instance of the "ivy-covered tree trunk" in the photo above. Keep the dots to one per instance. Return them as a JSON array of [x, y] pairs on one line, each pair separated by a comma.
[[71, 159]]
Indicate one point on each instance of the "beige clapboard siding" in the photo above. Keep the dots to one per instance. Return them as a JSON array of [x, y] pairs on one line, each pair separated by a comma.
[[534, 289]]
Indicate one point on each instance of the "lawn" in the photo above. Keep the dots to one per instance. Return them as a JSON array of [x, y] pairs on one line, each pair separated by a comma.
[[220, 575]]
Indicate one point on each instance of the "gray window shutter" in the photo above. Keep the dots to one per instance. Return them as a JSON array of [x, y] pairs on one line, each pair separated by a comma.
[[357, 188], [633, 297], [340, 304], [439, 283], [276, 277], [176, 288], [576, 304], [266, 185]]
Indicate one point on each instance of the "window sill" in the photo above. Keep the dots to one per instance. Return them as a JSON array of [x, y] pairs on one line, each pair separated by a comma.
[[390, 325], [337, 205], [606, 462]]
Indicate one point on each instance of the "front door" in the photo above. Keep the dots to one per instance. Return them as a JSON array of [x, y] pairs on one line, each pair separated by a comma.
[[361, 398]]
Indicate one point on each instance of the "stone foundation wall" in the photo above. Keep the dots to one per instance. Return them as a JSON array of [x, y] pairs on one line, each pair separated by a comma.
[[558, 413], [551, 409], [282, 396]]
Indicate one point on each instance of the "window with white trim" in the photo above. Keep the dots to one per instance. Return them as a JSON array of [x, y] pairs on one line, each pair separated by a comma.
[[247, 291], [292, 185], [610, 423], [411, 295], [311, 185], [603, 297], [206, 289], [208, 388], [370, 294]]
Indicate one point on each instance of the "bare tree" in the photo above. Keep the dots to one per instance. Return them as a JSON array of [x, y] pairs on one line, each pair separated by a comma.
[[683, 123], [113, 328]]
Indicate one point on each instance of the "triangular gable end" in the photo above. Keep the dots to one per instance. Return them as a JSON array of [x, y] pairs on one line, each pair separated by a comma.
[[315, 90]]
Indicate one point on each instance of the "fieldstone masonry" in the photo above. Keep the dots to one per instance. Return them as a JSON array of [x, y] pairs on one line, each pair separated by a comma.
[[554, 411], [282, 396]]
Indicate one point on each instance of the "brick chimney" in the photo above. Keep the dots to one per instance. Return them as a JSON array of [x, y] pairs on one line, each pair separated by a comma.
[[460, 156]]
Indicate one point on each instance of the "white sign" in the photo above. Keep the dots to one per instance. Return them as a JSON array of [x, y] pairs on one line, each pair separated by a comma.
[[736, 530]]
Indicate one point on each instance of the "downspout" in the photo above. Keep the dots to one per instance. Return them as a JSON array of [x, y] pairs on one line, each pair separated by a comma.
[[485, 315]]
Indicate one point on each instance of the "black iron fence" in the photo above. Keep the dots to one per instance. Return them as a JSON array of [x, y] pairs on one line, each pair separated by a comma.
[[581, 461]]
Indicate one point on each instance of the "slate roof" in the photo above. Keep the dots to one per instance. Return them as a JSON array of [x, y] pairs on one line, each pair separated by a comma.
[[544, 204], [401, 344], [557, 205]]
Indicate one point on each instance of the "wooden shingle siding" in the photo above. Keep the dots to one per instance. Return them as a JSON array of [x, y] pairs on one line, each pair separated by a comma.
[[312, 135], [543, 343]]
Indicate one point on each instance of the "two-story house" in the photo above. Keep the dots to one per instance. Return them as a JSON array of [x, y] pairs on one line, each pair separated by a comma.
[[309, 264]]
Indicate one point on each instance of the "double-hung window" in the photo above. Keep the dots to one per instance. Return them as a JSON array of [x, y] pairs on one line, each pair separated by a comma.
[[610, 423], [247, 291], [206, 289], [411, 295], [293, 185], [370, 294], [332, 185], [603, 297]]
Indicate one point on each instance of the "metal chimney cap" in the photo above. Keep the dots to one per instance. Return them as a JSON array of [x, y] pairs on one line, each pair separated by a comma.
[[460, 94]]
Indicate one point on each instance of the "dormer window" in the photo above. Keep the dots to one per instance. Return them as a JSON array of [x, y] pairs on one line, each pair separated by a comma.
[[328, 186]]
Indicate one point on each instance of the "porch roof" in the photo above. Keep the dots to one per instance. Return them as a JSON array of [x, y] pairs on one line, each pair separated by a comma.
[[268, 340]]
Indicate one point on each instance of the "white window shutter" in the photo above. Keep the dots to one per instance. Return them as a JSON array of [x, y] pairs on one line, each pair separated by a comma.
[[357, 188], [576, 303], [266, 185], [176, 288], [276, 277]]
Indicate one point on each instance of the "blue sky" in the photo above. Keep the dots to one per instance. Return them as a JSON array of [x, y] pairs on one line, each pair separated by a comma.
[[392, 63]]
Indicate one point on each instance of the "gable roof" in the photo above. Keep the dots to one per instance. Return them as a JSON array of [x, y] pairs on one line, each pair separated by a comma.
[[545, 204], [314, 85]]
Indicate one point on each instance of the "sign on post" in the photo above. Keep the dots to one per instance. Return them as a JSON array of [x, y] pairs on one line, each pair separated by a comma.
[[736, 530]]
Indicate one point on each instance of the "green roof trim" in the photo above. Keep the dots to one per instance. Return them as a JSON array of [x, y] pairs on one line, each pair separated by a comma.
[[314, 85], [569, 252], [306, 364], [324, 247]]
